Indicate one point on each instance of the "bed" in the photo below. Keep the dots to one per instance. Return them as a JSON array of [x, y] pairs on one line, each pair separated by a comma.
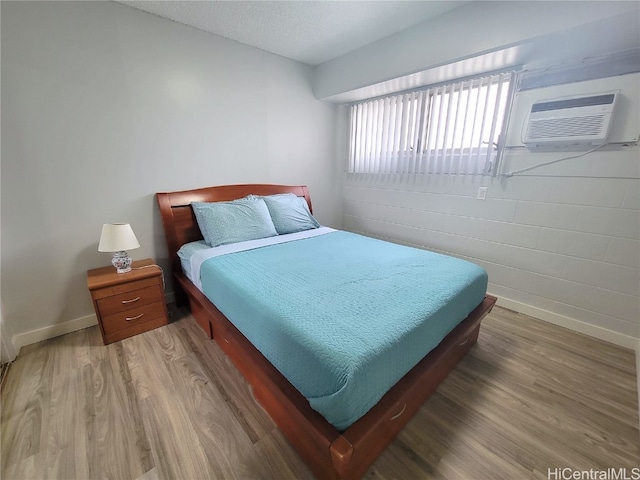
[[335, 441]]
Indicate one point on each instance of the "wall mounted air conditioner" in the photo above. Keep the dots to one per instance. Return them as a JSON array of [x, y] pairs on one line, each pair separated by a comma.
[[583, 119]]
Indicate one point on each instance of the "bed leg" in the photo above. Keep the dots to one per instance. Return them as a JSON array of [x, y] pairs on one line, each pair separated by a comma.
[[182, 300], [341, 452]]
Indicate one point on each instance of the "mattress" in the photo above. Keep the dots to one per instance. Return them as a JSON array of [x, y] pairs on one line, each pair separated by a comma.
[[342, 316]]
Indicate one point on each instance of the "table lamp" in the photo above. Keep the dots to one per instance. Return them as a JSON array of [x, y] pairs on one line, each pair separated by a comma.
[[118, 237]]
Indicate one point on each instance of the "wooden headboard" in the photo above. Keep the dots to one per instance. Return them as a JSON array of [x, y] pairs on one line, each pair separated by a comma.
[[179, 221]]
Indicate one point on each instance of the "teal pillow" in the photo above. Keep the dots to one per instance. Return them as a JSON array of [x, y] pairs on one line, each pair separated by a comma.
[[222, 223], [289, 213]]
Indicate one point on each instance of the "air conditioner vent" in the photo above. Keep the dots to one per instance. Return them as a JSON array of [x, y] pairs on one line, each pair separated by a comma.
[[567, 127], [583, 119]]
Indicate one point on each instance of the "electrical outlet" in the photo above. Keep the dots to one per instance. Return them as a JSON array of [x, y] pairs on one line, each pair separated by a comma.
[[482, 193]]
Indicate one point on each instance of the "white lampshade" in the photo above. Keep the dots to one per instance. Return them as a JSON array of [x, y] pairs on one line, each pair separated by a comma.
[[117, 237]]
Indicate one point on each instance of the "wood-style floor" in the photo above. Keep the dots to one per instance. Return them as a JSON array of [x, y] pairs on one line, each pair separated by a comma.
[[167, 404]]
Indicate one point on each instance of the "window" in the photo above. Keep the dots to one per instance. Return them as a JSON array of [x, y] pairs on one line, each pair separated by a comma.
[[456, 128]]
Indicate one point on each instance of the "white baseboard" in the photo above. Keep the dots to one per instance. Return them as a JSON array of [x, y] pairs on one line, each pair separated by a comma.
[[45, 333], [170, 297], [595, 331]]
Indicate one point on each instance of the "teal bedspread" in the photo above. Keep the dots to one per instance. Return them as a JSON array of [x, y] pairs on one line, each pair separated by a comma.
[[342, 316]]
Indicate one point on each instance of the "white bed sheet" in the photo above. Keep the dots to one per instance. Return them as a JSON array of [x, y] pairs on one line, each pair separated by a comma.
[[201, 256]]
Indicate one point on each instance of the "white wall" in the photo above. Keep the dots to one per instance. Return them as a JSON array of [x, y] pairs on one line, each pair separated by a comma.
[[561, 243], [511, 28], [104, 105], [564, 249]]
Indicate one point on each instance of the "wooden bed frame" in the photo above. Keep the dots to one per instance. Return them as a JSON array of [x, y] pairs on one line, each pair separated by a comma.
[[329, 453]]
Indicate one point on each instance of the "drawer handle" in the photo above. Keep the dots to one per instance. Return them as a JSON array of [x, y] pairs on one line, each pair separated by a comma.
[[124, 302], [128, 319], [397, 415], [466, 339]]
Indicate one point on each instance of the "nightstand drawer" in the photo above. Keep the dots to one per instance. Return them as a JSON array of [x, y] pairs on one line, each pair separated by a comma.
[[128, 300], [127, 304], [133, 316]]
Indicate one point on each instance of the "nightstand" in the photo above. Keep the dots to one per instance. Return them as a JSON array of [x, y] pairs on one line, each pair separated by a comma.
[[127, 304]]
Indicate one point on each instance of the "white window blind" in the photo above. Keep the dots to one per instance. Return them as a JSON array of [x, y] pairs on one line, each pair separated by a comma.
[[456, 128]]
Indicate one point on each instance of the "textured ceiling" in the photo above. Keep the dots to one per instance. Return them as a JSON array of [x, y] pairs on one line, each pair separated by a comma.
[[309, 31]]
